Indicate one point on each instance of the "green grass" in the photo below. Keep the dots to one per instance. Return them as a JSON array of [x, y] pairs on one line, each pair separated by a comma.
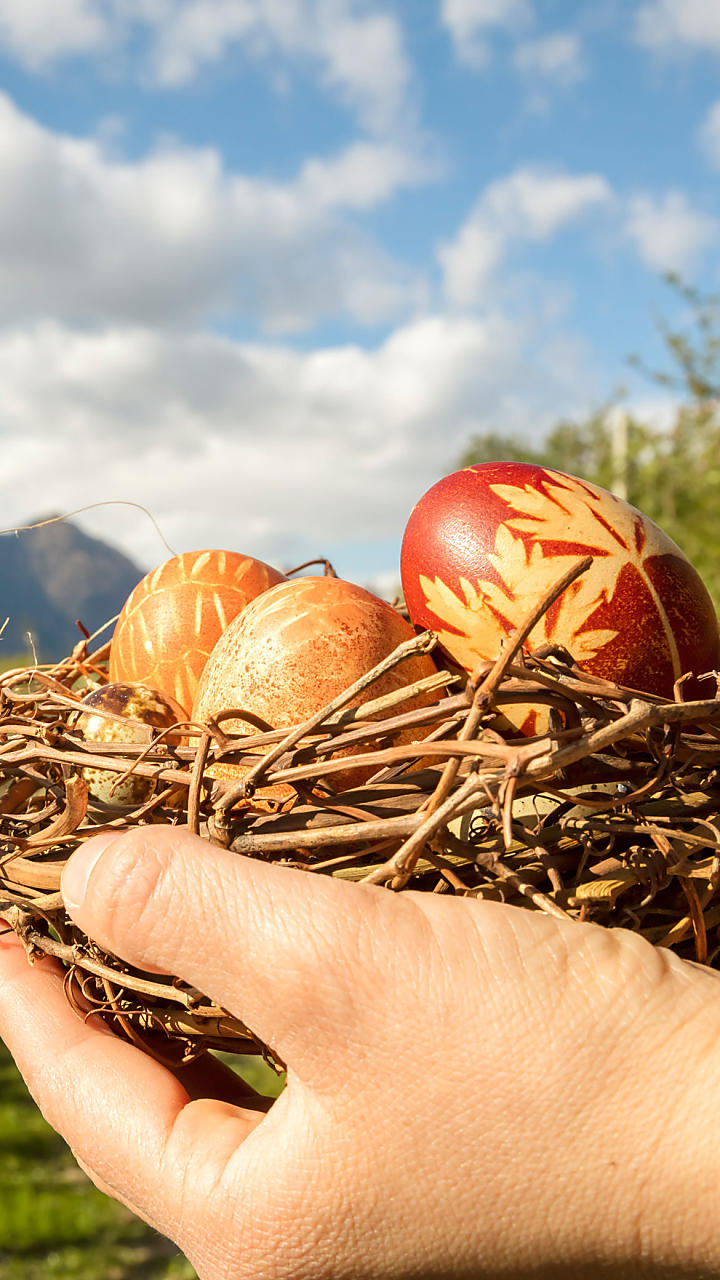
[[54, 1224], [9, 661]]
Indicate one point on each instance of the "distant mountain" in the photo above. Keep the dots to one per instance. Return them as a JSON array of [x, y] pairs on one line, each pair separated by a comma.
[[52, 575]]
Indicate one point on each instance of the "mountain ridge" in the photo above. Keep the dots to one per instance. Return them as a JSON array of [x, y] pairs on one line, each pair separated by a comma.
[[52, 575]]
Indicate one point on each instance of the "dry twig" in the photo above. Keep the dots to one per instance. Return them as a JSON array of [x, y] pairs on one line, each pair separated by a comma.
[[615, 818]]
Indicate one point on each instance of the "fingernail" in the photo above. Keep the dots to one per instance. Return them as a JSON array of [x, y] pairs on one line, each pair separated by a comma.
[[78, 869]]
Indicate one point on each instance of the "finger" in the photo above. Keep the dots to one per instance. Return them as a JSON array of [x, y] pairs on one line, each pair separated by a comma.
[[272, 945], [107, 1190], [126, 1117]]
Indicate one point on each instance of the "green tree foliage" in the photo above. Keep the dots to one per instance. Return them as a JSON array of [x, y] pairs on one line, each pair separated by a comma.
[[671, 474]]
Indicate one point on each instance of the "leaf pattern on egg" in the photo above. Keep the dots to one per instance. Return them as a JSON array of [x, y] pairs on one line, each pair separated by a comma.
[[483, 614]]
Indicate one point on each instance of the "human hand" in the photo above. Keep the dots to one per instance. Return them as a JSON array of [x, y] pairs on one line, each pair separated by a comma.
[[473, 1089]]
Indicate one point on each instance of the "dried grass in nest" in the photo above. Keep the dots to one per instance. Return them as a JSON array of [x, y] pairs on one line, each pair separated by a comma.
[[613, 815]]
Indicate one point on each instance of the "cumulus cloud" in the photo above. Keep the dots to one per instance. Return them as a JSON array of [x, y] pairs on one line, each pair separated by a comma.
[[709, 135], [529, 205], [667, 25], [356, 47], [260, 447], [556, 58], [667, 232], [175, 237], [363, 175], [470, 22], [38, 31]]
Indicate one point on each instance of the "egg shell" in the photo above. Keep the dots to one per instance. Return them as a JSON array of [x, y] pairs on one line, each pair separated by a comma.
[[142, 711], [298, 646], [174, 616], [485, 543]]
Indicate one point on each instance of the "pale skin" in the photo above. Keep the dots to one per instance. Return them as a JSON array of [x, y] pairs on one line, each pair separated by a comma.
[[474, 1090]]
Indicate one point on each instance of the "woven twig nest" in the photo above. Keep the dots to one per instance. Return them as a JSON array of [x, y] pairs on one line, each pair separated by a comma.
[[613, 815]]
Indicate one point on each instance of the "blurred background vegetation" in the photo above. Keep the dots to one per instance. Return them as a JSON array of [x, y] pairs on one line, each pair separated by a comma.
[[670, 472], [54, 1224]]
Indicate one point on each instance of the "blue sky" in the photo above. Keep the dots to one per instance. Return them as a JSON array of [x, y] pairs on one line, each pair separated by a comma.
[[265, 265]]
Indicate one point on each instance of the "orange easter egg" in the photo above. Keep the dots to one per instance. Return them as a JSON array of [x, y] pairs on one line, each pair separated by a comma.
[[484, 544], [298, 646], [173, 618]]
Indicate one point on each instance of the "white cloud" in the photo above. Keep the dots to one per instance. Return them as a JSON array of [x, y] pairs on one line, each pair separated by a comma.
[[557, 58], [362, 176], [357, 47], [470, 21], [175, 236], [528, 206], [282, 453], [709, 135], [37, 31], [668, 233], [666, 25]]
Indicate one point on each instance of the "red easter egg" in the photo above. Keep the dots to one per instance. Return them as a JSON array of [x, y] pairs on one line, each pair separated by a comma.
[[484, 544], [171, 621], [298, 646]]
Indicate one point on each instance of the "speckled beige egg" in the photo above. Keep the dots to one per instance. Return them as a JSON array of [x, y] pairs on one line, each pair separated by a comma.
[[117, 713], [295, 648]]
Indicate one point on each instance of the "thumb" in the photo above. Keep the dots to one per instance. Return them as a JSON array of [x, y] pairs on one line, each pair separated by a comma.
[[274, 946]]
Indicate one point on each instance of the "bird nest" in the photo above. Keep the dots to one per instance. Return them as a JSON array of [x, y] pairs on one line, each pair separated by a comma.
[[612, 815]]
